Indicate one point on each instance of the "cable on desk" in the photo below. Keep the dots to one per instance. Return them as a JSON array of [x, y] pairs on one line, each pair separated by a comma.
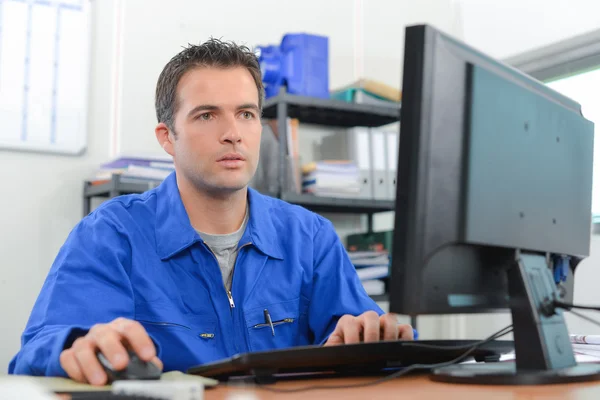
[[456, 346], [404, 371], [588, 319], [567, 306]]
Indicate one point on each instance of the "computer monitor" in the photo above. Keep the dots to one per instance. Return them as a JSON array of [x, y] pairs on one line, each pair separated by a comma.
[[494, 189]]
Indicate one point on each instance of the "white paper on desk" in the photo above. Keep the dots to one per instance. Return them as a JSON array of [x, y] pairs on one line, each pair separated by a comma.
[[23, 388], [503, 357], [585, 339], [588, 349], [58, 384], [579, 357], [585, 358]]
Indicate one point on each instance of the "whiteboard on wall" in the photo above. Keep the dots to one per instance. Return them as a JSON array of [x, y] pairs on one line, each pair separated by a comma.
[[44, 75]]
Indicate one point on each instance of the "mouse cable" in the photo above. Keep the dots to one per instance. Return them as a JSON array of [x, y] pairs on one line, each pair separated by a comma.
[[404, 371]]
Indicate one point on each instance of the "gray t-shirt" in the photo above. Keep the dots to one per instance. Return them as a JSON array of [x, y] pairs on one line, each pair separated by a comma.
[[225, 248]]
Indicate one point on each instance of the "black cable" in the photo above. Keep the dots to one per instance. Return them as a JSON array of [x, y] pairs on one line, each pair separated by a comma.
[[561, 304], [458, 346], [588, 319], [402, 372]]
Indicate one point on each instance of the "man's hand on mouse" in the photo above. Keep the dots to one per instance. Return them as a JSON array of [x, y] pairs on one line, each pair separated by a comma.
[[80, 361], [368, 327]]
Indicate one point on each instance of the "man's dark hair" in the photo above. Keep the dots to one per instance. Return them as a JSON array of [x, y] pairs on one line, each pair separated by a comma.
[[212, 53]]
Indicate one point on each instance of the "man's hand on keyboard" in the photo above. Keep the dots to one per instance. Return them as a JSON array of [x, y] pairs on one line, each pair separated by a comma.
[[368, 327]]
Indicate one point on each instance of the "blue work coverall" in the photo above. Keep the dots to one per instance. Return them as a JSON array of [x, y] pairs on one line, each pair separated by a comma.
[[138, 257]]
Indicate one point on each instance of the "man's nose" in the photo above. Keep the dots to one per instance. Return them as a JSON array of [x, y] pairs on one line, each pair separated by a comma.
[[231, 132]]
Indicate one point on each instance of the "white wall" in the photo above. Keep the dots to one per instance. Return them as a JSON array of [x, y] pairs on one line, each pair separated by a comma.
[[41, 198], [509, 27], [152, 35], [383, 36], [376, 26], [42, 195], [587, 276]]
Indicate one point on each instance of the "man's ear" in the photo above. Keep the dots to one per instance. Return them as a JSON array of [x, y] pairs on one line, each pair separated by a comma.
[[164, 138]]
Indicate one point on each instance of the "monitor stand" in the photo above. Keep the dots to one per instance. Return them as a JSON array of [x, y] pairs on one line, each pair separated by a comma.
[[544, 353]]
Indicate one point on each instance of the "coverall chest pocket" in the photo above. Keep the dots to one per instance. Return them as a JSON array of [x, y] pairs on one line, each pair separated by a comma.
[[185, 340], [167, 322], [277, 327]]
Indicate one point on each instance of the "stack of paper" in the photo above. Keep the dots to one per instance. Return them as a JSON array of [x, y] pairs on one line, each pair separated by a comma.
[[588, 345], [136, 168], [331, 178], [371, 267], [369, 258], [585, 347]]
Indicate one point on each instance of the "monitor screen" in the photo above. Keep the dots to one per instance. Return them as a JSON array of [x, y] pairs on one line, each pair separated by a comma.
[[490, 161]]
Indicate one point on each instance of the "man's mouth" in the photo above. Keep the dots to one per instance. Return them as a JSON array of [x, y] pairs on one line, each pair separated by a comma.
[[232, 157]]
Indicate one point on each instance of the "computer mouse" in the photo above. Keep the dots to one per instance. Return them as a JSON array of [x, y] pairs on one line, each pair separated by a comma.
[[137, 369]]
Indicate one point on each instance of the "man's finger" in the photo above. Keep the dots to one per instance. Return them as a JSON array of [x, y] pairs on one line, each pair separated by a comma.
[[70, 365], [406, 332], [85, 354], [334, 340], [336, 337], [158, 363], [370, 325], [137, 337], [351, 330], [109, 343], [389, 327]]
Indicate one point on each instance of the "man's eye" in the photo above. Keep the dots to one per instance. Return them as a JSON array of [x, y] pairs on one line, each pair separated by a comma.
[[247, 115], [205, 117]]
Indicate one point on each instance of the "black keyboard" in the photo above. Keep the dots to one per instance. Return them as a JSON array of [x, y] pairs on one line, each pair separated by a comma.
[[360, 358]]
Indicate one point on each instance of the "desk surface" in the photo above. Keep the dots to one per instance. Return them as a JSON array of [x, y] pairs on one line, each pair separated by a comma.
[[412, 387]]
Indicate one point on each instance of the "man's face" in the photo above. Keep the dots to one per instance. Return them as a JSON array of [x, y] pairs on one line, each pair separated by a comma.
[[217, 128]]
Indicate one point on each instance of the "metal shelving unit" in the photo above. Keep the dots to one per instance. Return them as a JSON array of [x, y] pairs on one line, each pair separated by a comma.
[[308, 110], [324, 112], [338, 204], [380, 297], [327, 113], [333, 113], [117, 186], [330, 112]]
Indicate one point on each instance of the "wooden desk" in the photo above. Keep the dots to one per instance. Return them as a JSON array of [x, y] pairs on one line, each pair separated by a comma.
[[411, 387]]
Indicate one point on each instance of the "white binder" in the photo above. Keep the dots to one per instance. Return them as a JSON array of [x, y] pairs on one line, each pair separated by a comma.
[[361, 153], [392, 162], [379, 164]]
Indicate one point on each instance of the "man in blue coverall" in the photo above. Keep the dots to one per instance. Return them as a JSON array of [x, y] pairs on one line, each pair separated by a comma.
[[198, 268]]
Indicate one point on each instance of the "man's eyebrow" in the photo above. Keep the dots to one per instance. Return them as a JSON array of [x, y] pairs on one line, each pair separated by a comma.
[[250, 106], [203, 107], [210, 107]]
